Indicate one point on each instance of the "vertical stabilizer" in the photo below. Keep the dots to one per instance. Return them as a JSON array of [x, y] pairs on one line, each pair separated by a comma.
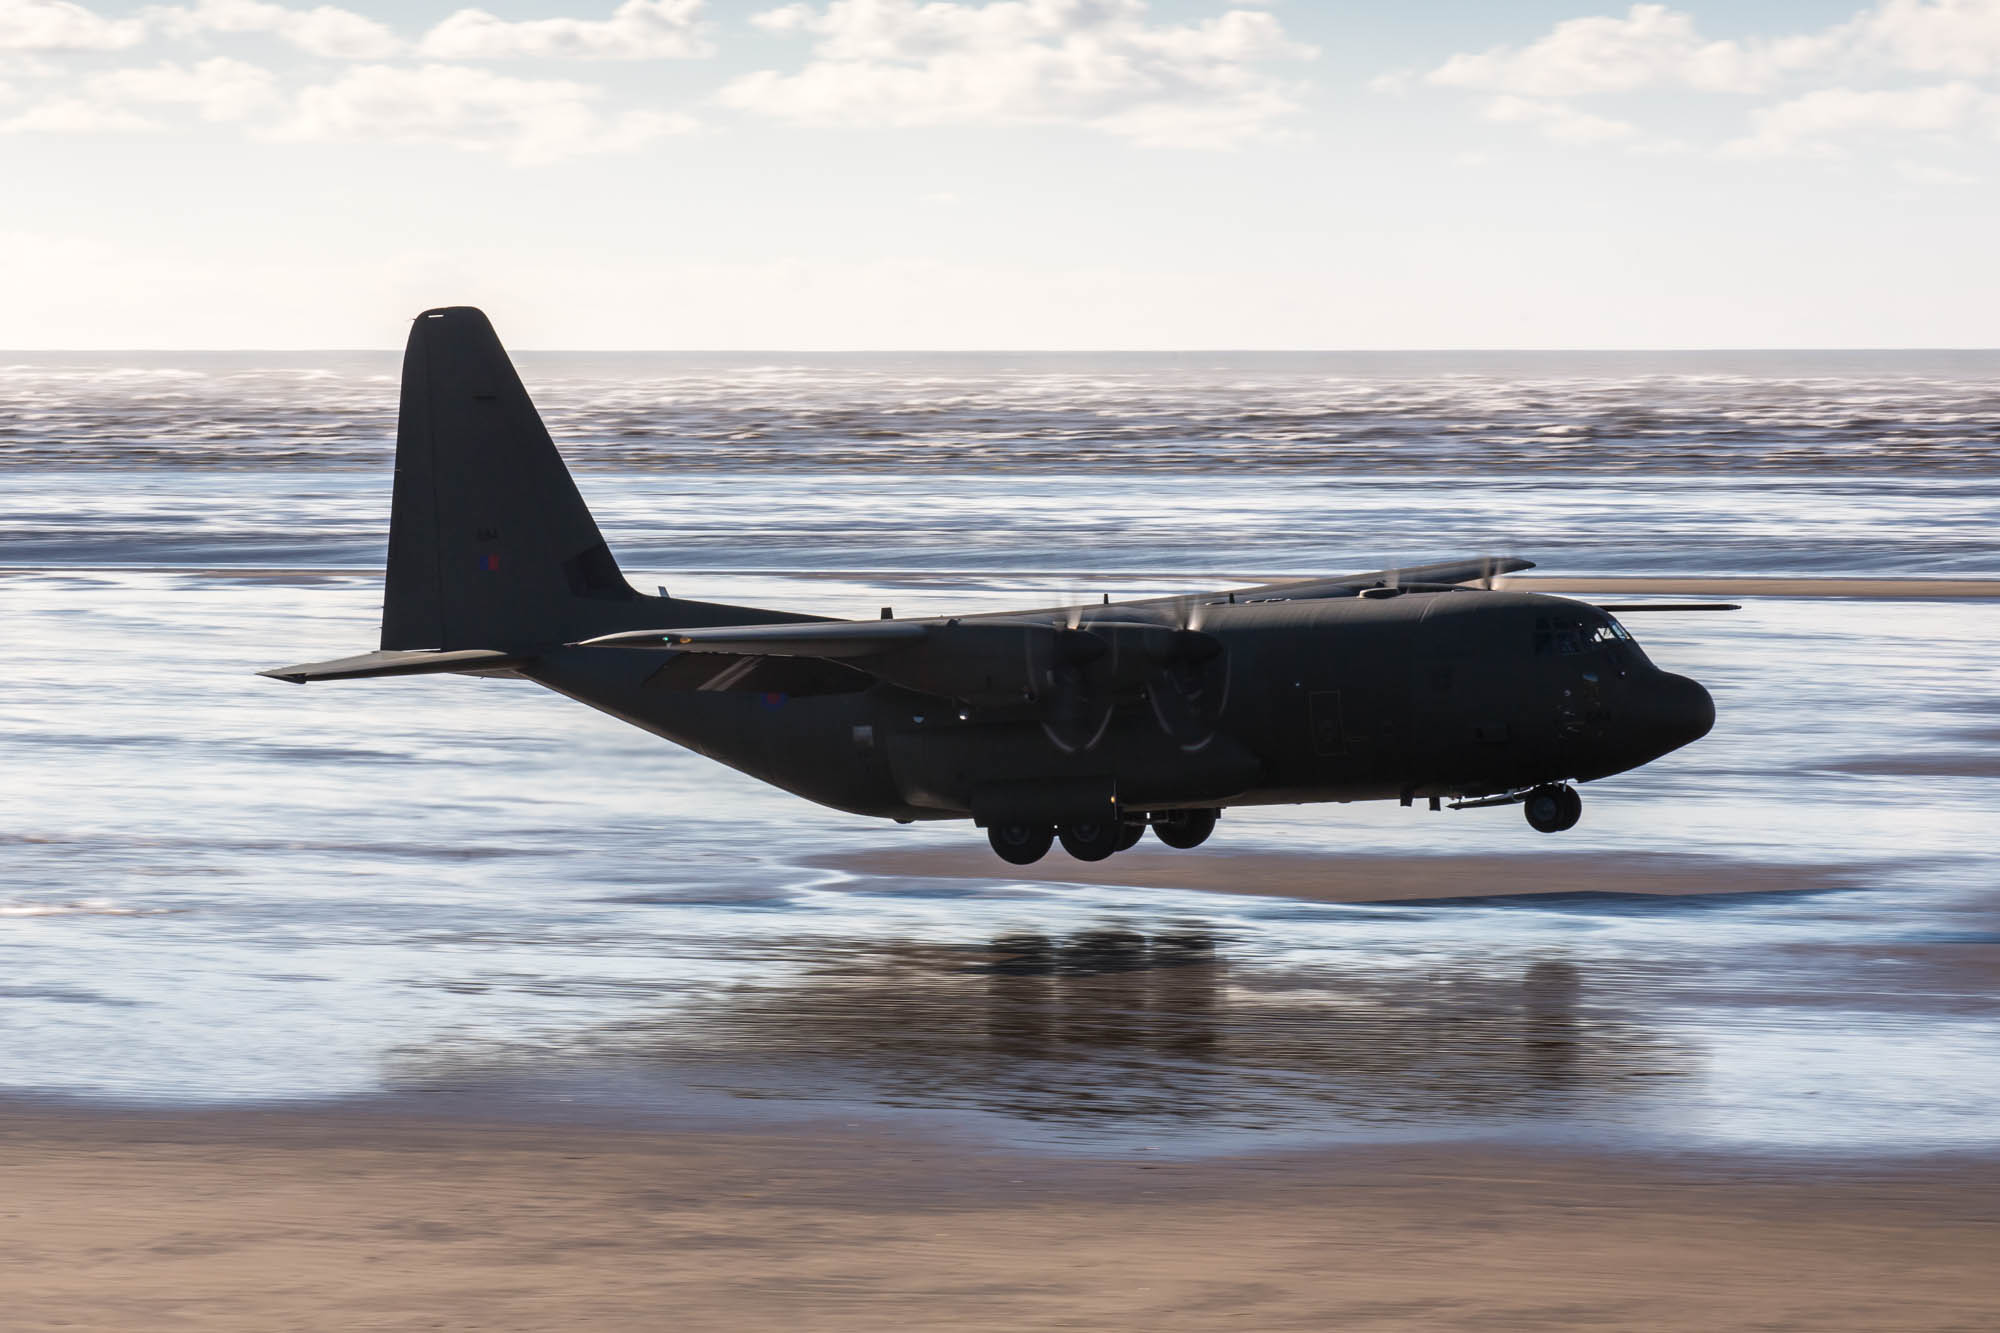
[[490, 546]]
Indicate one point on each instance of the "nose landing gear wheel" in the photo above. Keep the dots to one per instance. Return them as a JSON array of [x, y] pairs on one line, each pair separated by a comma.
[[1553, 809], [1186, 828], [1020, 844], [1092, 841]]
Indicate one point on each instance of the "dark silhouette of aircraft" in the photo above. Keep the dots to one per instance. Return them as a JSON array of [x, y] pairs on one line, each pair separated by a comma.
[[1084, 723]]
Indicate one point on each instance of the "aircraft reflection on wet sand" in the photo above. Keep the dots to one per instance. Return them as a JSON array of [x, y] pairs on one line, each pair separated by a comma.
[[1112, 1025]]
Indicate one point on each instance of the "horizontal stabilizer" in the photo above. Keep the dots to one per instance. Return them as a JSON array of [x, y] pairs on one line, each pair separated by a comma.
[[408, 662]]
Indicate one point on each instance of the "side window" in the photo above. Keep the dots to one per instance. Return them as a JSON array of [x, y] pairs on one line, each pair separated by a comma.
[[1564, 637]]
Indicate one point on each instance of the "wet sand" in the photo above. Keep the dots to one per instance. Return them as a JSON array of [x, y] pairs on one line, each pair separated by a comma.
[[263, 1220], [1362, 879]]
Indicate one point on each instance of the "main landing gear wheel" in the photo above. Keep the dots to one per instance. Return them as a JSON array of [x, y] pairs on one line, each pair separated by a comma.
[[1020, 844], [1092, 841], [1129, 835], [1553, 809], [1185, 828]]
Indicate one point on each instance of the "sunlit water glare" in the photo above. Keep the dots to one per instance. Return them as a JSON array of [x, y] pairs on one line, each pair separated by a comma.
[[218, 889]]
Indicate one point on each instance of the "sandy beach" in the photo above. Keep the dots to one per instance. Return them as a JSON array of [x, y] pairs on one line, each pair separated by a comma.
[[272, 1220], [490, 1215]]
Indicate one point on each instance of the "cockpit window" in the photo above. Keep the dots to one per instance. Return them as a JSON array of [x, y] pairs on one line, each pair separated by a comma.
[[1568, 635], [1555, 636]]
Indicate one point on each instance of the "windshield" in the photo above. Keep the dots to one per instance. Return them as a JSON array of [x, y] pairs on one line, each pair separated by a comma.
[[1566, 635]]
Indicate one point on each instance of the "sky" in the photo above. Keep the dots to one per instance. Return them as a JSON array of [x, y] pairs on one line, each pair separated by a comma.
[[842, 174]]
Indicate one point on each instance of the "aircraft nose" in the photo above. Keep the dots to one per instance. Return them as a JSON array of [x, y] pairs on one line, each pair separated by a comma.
[[1678, 712]]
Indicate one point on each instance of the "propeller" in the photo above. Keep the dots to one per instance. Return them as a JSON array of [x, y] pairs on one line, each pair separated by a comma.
[[1077, 689], [1188, 684], [1093, 665], [1078, 708], [1163, 657], [1189, 687], [1180, 672]]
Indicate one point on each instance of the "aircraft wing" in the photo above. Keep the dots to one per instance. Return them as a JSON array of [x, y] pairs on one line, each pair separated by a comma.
[[980, 660], [868, 638], [824, 638], [1448, 571]]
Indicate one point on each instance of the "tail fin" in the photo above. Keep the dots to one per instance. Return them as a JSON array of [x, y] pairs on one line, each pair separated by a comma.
[[492, 555], [490, 546]]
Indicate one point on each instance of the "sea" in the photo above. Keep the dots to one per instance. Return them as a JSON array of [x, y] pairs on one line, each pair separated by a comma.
[[475, 897]]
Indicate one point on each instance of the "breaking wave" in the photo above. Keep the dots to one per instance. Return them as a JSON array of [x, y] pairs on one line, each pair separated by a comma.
[[1765, 412]]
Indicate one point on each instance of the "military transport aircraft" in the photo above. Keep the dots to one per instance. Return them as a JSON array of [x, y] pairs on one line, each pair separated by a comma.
[[1087, 724]]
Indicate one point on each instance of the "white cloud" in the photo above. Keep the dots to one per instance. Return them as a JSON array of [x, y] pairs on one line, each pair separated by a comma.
[[15, 65], [75, 115], [636, 30], [1809, 121], [532, 121], [57, 25], [1654, 47], [110, 102], [1558, 120], [1931, 36], [529, 120], [1100, 63], [1651, 46], [324, 30], [219, 89]]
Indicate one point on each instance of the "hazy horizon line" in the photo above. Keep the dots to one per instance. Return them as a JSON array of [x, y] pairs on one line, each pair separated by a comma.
[[513, 349]]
